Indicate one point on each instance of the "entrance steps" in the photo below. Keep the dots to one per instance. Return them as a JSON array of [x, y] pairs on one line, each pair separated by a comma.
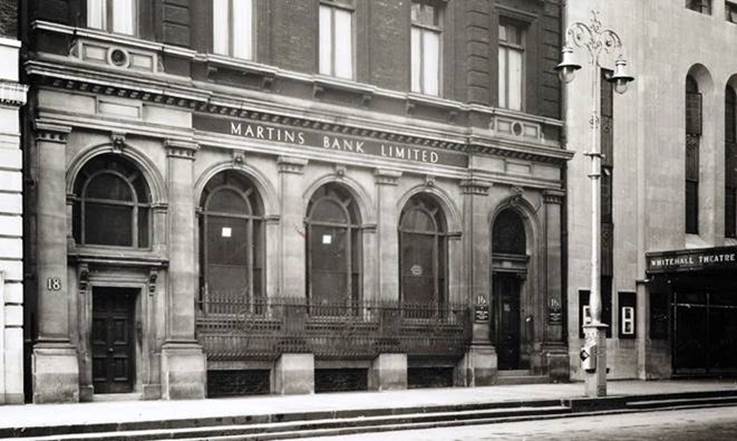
[[520, 376]]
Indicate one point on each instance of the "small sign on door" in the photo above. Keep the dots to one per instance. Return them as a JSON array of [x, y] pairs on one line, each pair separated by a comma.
[[227, 232]]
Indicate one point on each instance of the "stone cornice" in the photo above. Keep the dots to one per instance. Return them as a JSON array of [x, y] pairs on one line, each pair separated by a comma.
[[181, 149], [51, 132], [12, 94]]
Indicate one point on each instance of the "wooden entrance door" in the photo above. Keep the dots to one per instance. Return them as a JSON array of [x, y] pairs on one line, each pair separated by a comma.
[[112, 338], [506, 295]]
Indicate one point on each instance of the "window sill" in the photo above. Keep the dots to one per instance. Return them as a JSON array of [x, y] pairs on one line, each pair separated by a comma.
[[117, 256], [321, 83]]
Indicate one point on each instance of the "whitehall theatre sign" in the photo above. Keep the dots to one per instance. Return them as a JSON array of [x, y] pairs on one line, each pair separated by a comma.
[[723, 258], [328, 141]]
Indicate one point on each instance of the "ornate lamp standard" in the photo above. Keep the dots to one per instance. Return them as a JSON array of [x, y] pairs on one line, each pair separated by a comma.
[[597, 42]]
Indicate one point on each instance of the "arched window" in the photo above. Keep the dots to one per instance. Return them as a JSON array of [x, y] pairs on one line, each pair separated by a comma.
[[508, 234], [111, 204], [423, 257], [333, 250], [693, 140], [231, 244], [730, 163]]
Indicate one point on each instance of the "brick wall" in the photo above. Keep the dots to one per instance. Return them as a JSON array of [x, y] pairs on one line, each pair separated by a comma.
[[9, 18], [293, 33]]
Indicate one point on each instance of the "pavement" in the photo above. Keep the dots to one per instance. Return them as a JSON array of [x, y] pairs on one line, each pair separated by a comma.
[[712, 424], [116, 412]]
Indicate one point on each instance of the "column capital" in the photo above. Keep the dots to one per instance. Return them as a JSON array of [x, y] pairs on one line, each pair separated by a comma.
[[290, 164], [476, 186], [48, 132], [181, 149], [553, 196], [387, 177]]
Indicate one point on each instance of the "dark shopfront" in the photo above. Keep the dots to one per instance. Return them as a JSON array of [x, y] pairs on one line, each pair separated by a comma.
[[693, 302]]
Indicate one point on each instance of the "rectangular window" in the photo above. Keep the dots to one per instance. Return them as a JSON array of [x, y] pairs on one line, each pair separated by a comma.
[[693, 141], [112, 15], [232, 28], [511, 65], [425, 47], [731, 11], [702, 6], [584, 315], [336, 40]]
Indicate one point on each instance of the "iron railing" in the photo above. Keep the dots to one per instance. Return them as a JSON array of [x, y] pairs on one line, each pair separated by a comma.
[[235, 328]]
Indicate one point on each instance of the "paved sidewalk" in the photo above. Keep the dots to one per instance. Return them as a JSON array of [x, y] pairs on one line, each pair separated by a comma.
[[135, 411]]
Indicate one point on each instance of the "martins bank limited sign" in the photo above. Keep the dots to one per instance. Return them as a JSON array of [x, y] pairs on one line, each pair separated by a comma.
[[349, 145], [722, 258]]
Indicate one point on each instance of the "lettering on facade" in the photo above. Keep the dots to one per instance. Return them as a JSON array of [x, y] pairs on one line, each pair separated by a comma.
[[53, 284], [692, 260], [328, 141]]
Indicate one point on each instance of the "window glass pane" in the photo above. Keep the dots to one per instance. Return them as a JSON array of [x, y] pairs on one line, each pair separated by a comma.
[[227, 258], [96, 14], [108, 224], [343, 44], [503, 76], [109, 186], [242, 29], [326, 45], [416, 59], [508, 235], [418, 220], [220, 27], [124, 16], [515, 79], [417, 269], [329, 272], [502, 32], [692, 207], [227, 201], [328, 210], [143, 222], [431, 62]]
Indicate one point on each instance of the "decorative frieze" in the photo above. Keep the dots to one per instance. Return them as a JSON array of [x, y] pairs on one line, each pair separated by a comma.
[[12, 94], [288, 164], [553, 197], [53, 133], [476, 187], [387, 177], [181, 149]]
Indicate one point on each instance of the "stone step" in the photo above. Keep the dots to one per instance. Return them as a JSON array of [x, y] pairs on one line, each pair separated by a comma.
[[513, 373]]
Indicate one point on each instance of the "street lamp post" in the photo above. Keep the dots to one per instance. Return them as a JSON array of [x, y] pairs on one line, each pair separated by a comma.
[[597, 41]]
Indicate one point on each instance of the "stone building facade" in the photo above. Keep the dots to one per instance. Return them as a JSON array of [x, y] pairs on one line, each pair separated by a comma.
[[668, 192], [292, 196], [12, 97]]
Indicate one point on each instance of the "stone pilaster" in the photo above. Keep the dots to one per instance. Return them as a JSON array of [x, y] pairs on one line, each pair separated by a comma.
[[183, 365], [12, 97], [292, 267], [555, 348], [55, 367], [386, 227], [478, 367]]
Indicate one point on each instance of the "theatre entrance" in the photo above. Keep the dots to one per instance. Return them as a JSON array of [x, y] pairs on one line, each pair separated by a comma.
[[112, 340]]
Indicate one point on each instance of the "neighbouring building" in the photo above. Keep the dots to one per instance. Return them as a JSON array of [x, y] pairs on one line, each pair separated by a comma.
[[12, 97], [669, 188], [286, 196]]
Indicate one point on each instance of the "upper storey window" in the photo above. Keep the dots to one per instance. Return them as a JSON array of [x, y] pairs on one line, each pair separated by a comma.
[[511, 65], [703, 6], [426, 55], [336, 39], [112, 15], [731, 10], [232, 28]]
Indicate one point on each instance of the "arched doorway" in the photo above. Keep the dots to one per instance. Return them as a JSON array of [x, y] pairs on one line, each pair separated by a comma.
[[509, 271]]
